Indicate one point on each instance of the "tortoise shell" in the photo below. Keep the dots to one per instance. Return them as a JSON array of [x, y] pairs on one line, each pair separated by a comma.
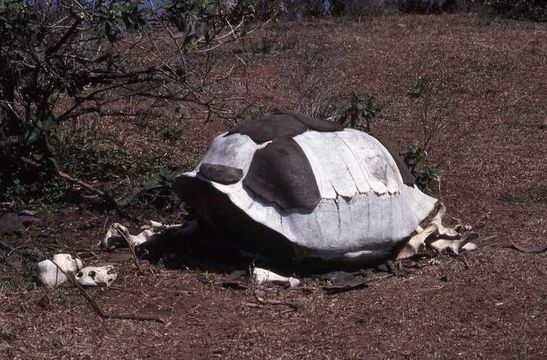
[[333, 193]]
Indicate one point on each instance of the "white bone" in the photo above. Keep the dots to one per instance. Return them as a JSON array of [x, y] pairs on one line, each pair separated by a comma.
[[455, 246], [49, 273], [155, 224], [469, 246], [444, 244], [441, 229], [141, 238], [451, 238], [160, 225], [413, 245], [116, 233], [112, 237], [67, 263], [96, 276], [262, 276]]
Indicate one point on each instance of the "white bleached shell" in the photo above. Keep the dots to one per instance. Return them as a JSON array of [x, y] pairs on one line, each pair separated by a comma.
[[365, 207]]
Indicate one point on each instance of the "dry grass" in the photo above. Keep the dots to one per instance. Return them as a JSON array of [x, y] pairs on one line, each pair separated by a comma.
[[488, 90]]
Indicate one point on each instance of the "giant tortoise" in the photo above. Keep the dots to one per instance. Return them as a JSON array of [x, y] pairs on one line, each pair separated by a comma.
[[295, 187]]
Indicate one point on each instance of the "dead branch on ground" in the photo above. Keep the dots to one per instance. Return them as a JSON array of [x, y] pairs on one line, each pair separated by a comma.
[[109, 200], [125, 235], [99, 310], [262, 301]]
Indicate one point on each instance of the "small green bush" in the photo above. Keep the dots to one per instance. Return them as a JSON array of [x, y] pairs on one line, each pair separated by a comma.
[[158, 189], [64, 60], [361, 112], [417, 160], [254, 112]]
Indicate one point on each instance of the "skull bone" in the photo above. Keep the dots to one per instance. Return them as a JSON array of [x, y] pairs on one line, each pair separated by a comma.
[[96, 276]]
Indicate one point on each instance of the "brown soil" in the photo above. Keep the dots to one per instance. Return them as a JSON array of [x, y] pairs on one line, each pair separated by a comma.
[[488, 93]]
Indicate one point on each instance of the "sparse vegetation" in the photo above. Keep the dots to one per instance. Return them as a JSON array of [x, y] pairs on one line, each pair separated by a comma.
[[25, 260], [63, 60], [417, 160], [361, 112], [158, 189], [253, 112]]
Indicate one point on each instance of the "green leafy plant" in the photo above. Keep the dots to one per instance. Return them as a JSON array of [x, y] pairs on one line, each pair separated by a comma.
[[203, 20], [361, 112], [158, 189], [172, 134], [61, 60], [253, 112], [417, 160]]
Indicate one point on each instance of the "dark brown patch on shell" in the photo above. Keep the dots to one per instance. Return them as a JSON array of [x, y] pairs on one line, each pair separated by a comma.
[[271, 127], [221, 173], [318, 125], [281, 173], [230, 225], [280, 125]]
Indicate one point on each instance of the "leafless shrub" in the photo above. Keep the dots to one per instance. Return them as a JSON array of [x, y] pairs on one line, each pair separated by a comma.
[[437, 132], [314, 83]]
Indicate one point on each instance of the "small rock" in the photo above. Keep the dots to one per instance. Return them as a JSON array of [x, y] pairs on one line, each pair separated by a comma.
[[15, 223]]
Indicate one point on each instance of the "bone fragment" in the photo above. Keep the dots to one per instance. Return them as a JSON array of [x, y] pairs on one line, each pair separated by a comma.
[[115, 236], [469, 246], [96, 276], [261, 276], [413, 245], [441, 229], [447, 238], [51, 275], [116, 233], [156, 225], [441, 245]]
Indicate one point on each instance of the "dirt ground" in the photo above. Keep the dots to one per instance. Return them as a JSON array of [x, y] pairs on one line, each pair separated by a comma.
[[482, 83]]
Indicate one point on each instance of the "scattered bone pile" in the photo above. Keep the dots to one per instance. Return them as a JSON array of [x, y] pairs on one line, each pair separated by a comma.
[[54, 272], [438, 237], [434, 235], [119, 236]]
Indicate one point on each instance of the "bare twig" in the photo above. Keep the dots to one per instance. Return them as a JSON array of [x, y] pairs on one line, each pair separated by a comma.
[[125, 235], [529, 249], [5, 246], [104, 195], [464, 260], [261, 301], [99, 310]]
